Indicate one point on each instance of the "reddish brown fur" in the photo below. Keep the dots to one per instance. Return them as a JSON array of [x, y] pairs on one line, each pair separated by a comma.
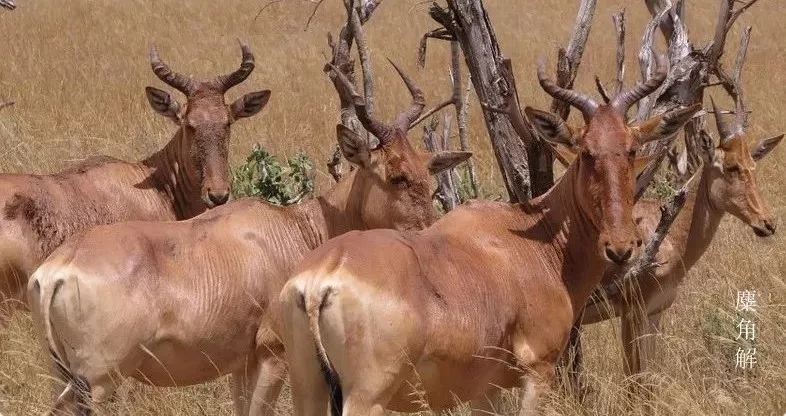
[[202, 292], [727, 184], [484, 297], [40, 211]]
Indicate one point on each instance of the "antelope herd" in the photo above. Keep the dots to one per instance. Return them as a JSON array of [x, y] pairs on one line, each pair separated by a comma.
[[362, 296]]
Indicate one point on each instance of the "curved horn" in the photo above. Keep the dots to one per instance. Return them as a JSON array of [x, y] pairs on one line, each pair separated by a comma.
[[375, 127], [175, 80], [405, 118], [225, 82], [586, 105], [623, 101], [724, 130]]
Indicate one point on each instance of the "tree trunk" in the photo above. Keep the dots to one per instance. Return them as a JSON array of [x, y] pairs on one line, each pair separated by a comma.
[[468, 22]]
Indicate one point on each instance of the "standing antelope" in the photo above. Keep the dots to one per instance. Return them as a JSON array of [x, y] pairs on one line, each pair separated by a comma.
[[485, 298], [190, 174], [177, 303], [727, 184]]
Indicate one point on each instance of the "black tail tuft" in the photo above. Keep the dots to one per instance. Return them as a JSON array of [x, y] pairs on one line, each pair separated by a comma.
[[334, 384], [81, 386]]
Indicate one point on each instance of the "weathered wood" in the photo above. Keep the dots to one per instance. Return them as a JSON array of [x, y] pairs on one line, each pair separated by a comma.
[[461, 102], [446, 192], [365, 61], [469, 24], [569, 58], [8, 4], [4, 104], [668, 212], [619, 27], [334, 164]]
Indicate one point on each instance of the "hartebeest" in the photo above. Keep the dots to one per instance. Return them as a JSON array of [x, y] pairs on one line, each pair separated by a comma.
[[190, 174], [485, 298], [177, 303], [727, 184]]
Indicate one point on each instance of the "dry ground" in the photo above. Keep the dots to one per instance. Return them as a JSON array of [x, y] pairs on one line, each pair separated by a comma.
[[77, 70]]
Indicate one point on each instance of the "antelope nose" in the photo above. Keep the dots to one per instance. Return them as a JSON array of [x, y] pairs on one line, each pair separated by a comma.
[[619, 258], [218, 197], [770, 225]]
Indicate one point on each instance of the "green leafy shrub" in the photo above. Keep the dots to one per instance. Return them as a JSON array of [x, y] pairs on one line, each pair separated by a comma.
[[263, 176]]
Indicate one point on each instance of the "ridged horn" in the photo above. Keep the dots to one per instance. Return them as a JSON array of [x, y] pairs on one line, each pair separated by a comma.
[[623, 101], [175, 80], [583, 103]]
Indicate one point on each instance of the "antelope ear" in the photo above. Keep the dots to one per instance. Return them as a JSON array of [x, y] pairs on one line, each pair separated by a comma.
[[665, 126], [440, 161], [250, 104], [765, 147], [550, 127], [163, 103], [352, 146], [565, 155]]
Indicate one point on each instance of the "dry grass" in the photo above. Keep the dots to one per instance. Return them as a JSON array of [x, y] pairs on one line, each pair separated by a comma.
[[77, 72]]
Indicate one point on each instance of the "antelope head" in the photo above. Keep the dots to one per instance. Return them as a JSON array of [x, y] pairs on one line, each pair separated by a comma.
[[395, 177], [732, 174], [604, 169], [205, 119]]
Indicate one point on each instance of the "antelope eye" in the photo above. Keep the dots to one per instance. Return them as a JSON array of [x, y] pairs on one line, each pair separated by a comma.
[[732, 169], [399, 180], [632, 153]]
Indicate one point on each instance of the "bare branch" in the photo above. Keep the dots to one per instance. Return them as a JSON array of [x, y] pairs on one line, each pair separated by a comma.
[[668, 213], [446, 192], [739, 100], [462, 108], [334, 164], [619, 26], [429, 113], [570, 58], [646, 53], [738, 12], [313, 13], [365, 64], [602, 90], [4, 104], [468, 22], [440, 33]]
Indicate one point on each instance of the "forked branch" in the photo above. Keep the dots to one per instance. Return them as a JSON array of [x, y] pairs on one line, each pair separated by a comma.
[[668, 212], [569, 58], [446, 192]]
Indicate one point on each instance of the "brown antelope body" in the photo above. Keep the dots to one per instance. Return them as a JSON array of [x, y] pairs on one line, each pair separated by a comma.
[[177, 303], [484, 299], [727, 184], [190, 174]]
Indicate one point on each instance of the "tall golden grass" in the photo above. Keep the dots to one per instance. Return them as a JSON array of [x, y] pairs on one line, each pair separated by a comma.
[[77, 71]]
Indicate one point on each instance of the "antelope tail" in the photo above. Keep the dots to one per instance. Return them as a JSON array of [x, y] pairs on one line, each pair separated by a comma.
[[47, 297], [313, 306], [76, 384]]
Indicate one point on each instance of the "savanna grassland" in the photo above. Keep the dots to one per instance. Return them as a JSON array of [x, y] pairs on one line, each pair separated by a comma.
[[77, 71]]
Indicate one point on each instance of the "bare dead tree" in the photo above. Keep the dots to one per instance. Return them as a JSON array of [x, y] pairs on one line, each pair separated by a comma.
[[467, 22], [458, 98], [358, 13], [446, 192]]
